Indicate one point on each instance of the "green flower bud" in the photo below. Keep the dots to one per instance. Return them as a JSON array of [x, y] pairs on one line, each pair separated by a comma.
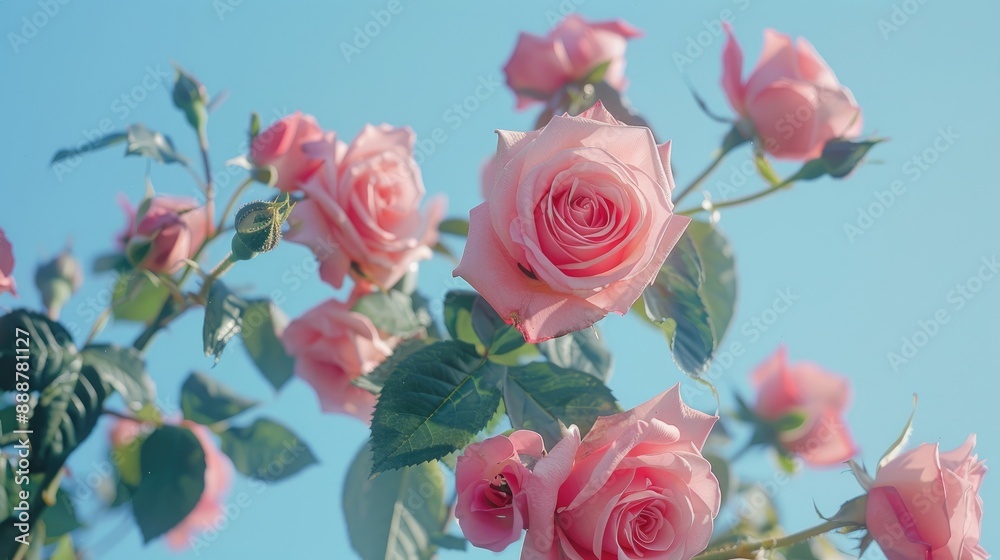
[[191, 96], [58, 280], [258, 226]]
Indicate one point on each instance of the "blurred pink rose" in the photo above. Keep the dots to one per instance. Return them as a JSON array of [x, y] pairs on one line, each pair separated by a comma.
[[792, 97], [541, 66], [363, 207], [6, 265], [925, 504], [208, 512], [281, 145], [492, 508], [819, 396], [578, 223], [332, 346], [218, 480], [636, 487], [174, 226]]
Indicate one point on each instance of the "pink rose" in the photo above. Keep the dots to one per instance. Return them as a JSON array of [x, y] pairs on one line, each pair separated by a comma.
[[363, 208], [925, 504], [487, 175], [332, 346], [541, 66], [218, 480], [576, 226], [821, 398], [171, 231], [792, 98], [492, 508], [636, 487], [6, 265], [281, 145]]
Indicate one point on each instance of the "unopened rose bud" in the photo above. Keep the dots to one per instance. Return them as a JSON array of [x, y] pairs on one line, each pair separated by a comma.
[[58, 280], [191, 96], [258, 227]]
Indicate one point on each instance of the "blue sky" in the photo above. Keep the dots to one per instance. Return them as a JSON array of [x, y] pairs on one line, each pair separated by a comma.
[[925, 74]]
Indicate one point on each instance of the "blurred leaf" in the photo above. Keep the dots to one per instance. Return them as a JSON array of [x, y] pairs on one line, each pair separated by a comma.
[[396, 515], [136, 298], [765, 170], [438, 399], [64, 549], [223, 312], [151, 144], [581, 351], [173, 479], [206, 401], [596, 74], [391, 312], [841, 157], [102, 142], [121, 368], [60, 518], [262, 324], [266, 450], [674, 303], [718, 290], [614, 102], [455, 226], [540, 395]]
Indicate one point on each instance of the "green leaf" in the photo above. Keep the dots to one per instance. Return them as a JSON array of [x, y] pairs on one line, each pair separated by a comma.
[[396, 515], [123, 369], [151, 144], [734, 139], [540, 396], [596, 74], [841, 157], [496, 335], [262, 325], [449, 542], [674, 302], [373, 381], [455, 226], [173, 479], [102, 142], [458, 315], [60, 518], [206, 401], [223, 319], [897, 446], [718, 290], [765, 170], [790, 422], [64, 549], [391, 312], [136, 298], [581, 351], [49, 348], [67, 411], [266, 450], [440, 397]]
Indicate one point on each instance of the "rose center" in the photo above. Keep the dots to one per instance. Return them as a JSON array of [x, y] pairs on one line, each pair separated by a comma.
[[499, 495]]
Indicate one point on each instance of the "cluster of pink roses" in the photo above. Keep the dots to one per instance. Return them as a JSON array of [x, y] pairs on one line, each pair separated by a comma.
[[360, 215], [637, 486]]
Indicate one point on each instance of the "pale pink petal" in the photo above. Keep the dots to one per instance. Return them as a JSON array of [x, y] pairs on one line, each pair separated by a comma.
[[732, 71]]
